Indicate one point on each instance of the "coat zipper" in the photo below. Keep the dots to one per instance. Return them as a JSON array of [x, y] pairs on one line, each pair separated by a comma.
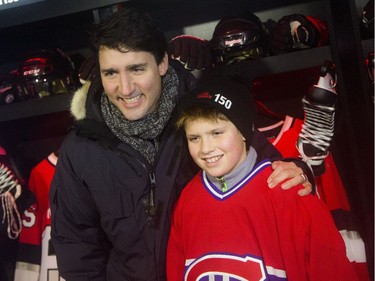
[[151, 210]]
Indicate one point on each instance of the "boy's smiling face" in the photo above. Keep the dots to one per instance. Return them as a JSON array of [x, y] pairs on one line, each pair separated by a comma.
[[216, 146]]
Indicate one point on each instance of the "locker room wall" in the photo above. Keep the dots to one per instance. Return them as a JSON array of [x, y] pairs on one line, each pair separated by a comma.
[[29, 139]]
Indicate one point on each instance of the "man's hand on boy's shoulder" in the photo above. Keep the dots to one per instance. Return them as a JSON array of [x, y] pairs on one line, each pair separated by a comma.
[[291, 174]]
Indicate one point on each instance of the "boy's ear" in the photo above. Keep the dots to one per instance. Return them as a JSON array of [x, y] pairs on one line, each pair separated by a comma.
[[163, 66]]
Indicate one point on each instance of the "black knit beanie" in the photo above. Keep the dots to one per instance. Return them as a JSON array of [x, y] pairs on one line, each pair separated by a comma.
[[231, 98]]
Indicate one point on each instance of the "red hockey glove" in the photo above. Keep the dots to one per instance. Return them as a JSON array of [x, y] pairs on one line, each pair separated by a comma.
[[297, 32], [193, 52]]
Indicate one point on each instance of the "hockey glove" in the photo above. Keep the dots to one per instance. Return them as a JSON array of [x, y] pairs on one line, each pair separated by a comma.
[[193, 52], [297, 32]]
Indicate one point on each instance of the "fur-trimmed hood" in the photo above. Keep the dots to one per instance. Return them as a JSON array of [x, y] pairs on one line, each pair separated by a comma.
[[78, 104]]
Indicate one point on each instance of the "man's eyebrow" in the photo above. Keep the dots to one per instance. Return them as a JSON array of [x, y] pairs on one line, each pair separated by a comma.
[[129, 67], [136, 65]]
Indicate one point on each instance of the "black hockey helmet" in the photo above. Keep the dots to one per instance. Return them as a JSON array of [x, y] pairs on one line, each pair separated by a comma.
[[47, 72], [239, 37]]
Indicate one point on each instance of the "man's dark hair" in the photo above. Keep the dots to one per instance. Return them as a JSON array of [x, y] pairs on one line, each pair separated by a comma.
[[130, 29]]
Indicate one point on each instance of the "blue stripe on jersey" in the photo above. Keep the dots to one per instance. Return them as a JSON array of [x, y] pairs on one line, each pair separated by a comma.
[[224, 195]]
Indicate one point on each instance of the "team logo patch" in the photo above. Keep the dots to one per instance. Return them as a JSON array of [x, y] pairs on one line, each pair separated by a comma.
[[225, 267], [204, 95]]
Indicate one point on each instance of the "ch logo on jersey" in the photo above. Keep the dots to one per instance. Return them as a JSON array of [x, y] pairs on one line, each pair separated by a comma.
[[225, 267]]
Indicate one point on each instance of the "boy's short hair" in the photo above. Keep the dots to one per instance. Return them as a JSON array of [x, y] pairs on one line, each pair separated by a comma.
[[220, 99], [130, 29], [198, 111]]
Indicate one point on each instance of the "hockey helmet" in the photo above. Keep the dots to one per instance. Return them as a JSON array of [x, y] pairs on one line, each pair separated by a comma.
[[47, 72], [239, 37]]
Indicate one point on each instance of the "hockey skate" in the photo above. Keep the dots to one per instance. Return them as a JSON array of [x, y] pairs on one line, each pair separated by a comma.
[[10, 190], [318, 127]]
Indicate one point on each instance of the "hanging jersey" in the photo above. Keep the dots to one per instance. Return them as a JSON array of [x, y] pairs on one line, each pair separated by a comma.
[[330, 189], [253, 233], [36, 259]]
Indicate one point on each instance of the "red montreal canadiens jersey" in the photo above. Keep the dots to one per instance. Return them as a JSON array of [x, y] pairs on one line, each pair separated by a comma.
[[329, 184], [252, 233], [36, 258], [332, 191]]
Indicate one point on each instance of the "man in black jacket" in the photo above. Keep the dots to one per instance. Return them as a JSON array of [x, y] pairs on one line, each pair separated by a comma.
[[121, 170]]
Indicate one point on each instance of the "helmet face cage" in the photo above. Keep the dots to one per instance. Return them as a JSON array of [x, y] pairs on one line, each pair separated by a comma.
[[238, 39], [46, 73], [236, 36]]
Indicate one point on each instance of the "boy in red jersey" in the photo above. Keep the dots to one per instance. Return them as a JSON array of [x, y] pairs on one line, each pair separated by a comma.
[[227, 223]]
